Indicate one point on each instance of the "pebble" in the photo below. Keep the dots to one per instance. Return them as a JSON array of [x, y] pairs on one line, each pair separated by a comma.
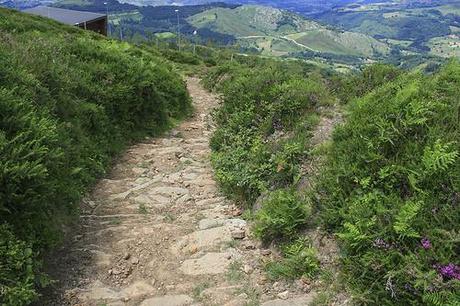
[[115, 272], [249, 246], [283, 295], [238, 234], [265, 252], [135, 260], [248, 269]]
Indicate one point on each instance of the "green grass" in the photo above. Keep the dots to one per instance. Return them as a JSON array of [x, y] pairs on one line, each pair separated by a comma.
[[299, 260], [198, 290], [257, 104], [389, 184], [133, 16], [449, 9], [234, 273], [281, 215], [165, 35]]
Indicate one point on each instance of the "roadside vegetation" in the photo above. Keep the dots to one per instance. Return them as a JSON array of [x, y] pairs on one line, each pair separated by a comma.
[[264, 128], [390, 191], [69, 102], [389, 187]]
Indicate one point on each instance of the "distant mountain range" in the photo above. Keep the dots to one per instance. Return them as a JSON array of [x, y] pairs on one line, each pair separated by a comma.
[[281, 33], [347, 31], [304, 7], [261, 29]]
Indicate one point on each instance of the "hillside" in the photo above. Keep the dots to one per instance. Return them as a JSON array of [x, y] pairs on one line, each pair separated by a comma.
[[142, 23], [70, 101], [265, 30], [278, 32], [384, 187], [424, 27]]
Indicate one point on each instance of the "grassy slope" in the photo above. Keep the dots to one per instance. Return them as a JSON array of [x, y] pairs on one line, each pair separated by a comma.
[[262, 21], [390, 190], [69, 101]]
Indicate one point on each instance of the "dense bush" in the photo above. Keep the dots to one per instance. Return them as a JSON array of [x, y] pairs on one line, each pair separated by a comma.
[[391, 190], [391, 184], [264, 125], [69, 101], [365, 81]]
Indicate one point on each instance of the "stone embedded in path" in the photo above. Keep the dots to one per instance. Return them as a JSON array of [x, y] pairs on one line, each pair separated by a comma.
[[137, 289], [205, 239], [220, 295], [152, 200], [168, 300], [211, 263], [101, 259], [99, 291], [124, 195], [298, 301], [210, 223], [169, 191]]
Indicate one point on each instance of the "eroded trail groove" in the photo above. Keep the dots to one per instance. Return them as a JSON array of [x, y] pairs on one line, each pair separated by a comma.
[[157, 231]]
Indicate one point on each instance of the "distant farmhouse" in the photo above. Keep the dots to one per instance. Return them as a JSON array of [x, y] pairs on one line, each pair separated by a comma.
[[85, 20]]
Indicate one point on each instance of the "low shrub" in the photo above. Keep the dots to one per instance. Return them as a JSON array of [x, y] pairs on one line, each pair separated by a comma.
[[17, 269], [263, 126], [363, 82], [282, 213], [299, 260]]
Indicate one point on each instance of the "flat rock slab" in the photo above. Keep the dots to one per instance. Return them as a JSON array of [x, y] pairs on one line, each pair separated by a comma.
[[172, 192], [168, 300], [298, 301], [98, 291], [210, 223], [211, 263], [205, 239]]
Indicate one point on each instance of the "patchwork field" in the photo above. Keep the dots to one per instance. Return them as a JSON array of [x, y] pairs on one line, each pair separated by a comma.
[[276, 32], [448, 46]]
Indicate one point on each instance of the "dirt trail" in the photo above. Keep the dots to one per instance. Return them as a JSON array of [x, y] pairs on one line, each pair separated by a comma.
[[157, 232]]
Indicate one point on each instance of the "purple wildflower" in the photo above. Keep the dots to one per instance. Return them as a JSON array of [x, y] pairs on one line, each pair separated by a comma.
[[449, 271], [426, 243], [381, 244], [409, 288]]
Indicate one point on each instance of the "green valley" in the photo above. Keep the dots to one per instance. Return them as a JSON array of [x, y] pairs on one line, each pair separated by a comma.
[[277, 32], [250, 28]]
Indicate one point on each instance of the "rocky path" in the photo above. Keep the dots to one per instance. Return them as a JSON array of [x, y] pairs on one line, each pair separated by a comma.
[[157, 232]]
